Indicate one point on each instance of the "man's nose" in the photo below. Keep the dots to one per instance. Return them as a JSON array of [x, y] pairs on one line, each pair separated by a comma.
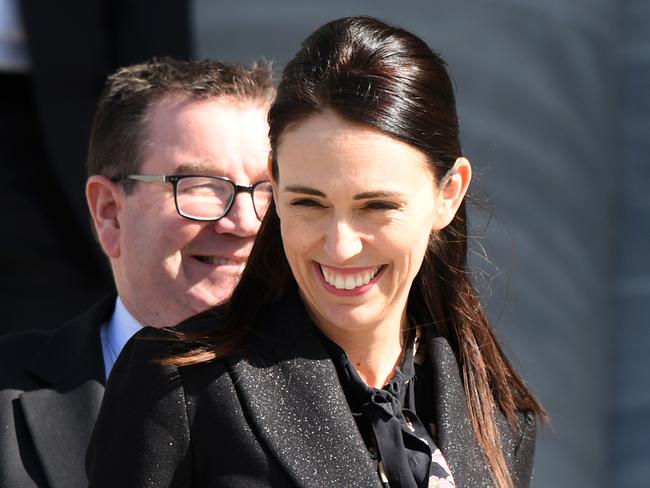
[[342, 241], [241, 219]]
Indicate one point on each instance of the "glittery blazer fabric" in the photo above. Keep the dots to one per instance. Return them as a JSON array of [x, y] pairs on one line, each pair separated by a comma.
[[273, 415]]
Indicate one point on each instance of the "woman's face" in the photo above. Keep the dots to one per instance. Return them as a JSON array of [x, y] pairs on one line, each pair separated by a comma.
[[357, 208]]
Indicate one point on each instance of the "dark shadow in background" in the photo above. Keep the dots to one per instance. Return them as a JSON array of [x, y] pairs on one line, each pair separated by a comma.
[[51, 269]]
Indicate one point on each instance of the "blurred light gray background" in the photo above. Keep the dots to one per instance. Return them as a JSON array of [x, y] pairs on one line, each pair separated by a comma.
[[554, 103]]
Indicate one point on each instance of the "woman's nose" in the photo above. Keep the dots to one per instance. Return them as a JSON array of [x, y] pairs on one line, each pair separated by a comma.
[[342, 242]]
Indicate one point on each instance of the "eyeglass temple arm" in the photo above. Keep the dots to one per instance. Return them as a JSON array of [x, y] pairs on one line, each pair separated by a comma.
[[147, 178]]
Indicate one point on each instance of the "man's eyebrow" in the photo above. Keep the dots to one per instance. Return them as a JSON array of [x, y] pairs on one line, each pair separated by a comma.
[[194, 168], [304, 189], [377, 194]]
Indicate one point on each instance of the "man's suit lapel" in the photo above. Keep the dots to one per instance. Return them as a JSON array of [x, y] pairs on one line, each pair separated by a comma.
[[61, 415], [60, 425], [296, 404], [454, 433]]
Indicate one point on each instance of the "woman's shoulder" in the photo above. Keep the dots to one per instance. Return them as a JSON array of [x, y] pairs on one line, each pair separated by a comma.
[[188, 350], [525, 432], [518, 441], [166, 342], [149, 356]]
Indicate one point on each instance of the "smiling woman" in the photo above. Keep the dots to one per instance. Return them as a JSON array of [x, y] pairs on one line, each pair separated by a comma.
[[347, 217], [354, 351]]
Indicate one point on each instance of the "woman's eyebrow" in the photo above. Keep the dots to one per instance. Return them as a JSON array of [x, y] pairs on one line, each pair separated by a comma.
[[307, 190], [304, 189], [377, 194]]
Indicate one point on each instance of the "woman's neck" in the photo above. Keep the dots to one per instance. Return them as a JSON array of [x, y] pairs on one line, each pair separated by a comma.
[[375, 353]]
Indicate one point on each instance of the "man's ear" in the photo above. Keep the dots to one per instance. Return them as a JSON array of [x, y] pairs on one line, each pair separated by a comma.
[[452, 190], [105, 199]]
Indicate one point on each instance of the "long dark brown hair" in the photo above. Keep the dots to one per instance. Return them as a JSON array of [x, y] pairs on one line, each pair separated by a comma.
[[382, 76]]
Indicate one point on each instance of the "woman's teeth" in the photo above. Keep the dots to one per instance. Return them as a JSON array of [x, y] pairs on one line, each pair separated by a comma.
[[349, 281]]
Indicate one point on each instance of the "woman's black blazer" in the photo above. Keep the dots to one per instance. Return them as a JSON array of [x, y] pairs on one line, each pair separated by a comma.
[[272, 416]]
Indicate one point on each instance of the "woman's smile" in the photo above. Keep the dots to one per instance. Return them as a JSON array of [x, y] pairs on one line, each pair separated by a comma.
[[349, 281], [354, 229]]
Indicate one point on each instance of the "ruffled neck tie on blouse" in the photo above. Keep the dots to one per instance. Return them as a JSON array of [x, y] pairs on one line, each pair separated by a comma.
[[406, 454]]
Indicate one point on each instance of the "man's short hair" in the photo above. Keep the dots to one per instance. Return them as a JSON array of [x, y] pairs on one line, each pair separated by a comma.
[[119, 136]]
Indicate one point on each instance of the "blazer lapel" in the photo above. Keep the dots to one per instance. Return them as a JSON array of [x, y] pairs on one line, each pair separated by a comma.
[[61, 424], [61, 415], [292, 393], [454, 433]]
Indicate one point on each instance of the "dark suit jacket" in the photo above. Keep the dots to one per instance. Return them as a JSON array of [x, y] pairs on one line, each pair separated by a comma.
[[272, 416], [51, 386]]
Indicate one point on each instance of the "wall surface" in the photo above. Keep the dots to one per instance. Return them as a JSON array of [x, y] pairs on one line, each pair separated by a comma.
[[632, 321], [537, 87]]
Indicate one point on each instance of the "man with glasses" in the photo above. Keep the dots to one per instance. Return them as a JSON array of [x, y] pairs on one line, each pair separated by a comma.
[[177, 189]]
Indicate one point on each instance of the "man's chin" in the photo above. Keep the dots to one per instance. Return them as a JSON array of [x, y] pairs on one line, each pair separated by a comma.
[[214, 294]]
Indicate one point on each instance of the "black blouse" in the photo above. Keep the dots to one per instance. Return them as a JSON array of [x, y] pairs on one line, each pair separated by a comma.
[[395, 421]]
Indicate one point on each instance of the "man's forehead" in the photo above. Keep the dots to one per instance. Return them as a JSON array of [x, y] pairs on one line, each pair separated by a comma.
[[178, 100], [218, 136], [253, 169]]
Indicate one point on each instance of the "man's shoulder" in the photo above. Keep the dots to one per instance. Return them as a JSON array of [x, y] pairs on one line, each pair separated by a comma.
[[38, 357], [17, 350], [14, 343]]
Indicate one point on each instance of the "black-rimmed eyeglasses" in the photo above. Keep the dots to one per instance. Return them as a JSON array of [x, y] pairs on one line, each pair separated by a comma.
[[210, 198]]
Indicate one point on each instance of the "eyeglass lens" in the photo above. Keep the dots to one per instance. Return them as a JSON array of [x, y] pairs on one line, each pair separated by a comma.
[[206, 198]]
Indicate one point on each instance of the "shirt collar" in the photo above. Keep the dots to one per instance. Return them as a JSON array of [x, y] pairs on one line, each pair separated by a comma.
[[116, 333]]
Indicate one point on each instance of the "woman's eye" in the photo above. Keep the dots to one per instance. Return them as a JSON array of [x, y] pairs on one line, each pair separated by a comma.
[[306, 202], [381, 206]]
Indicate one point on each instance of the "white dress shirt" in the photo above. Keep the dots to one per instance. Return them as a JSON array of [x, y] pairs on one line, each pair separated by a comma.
[[115, 334]]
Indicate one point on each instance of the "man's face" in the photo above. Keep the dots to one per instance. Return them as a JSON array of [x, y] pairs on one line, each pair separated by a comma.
[[169, 267]]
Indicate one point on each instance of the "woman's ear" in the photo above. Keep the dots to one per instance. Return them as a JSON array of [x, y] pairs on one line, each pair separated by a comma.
[[452, 190], [105, 198]]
